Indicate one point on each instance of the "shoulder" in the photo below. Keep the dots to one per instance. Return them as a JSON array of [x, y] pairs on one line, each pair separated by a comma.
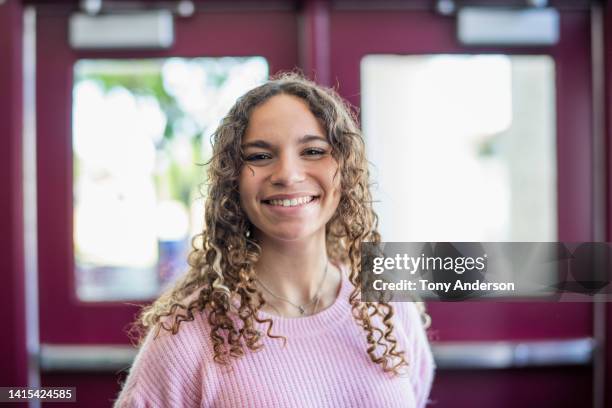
[[410, 315], [189, 340], [412, 335], [409, 319], [167, 368], [186, 346]]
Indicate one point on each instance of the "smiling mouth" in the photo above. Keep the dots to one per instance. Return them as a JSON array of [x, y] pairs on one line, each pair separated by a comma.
[[296, 202]]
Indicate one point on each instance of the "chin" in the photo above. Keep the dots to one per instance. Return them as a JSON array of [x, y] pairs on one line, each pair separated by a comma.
[[289, 235]]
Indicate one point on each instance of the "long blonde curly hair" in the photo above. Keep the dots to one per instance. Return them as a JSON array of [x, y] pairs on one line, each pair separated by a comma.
[[221, 278]]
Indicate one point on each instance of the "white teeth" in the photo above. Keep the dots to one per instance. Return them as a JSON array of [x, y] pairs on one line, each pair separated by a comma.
[[293, 202]]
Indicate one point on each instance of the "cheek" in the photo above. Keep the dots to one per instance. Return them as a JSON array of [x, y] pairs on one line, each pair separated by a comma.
[[334, 187], [246, 188], [335, 177], [247, 180]]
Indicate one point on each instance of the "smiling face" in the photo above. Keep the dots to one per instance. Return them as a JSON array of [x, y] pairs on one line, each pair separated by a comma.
[[287, 185]]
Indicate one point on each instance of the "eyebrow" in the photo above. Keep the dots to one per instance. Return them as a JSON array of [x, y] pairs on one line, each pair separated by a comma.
[[265, 145]]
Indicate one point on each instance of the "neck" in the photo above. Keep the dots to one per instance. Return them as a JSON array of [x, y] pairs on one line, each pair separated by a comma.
[[293, 270]]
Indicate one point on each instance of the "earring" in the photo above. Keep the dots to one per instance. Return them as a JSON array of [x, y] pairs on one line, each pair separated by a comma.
[[247, 233]]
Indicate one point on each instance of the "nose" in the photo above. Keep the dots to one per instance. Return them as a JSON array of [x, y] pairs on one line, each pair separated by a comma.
[[287, 171]]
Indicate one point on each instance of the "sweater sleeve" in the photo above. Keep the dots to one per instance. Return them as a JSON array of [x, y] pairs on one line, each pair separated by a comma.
[[421, 366], [165, 372]]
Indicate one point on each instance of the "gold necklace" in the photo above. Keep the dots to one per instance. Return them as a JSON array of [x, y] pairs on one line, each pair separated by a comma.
[[300, 308]]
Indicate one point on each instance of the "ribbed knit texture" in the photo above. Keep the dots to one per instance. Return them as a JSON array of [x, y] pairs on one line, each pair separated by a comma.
[[324, 364]]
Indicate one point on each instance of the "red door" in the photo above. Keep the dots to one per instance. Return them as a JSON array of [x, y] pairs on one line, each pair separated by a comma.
[[65, 319], [468, 334]]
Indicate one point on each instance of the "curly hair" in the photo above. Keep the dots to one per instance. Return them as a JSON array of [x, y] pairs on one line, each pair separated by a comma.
[[221, 278]]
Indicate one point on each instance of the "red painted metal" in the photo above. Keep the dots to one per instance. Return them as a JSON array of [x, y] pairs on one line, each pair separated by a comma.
[[608, 124], [93, 390], [314, 40], [12, 309], [522, 387]]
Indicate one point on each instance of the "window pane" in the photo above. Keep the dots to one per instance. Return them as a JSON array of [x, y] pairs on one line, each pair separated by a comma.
[[462, 146], [140, 130]]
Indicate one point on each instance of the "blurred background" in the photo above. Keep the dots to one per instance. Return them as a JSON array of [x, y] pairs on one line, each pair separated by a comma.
[[484, 120]]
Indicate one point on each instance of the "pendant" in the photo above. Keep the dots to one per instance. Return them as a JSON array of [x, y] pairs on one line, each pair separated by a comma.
[[301, 309]]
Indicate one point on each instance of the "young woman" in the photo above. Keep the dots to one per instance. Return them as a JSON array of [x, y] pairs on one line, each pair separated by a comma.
[[269, 314]]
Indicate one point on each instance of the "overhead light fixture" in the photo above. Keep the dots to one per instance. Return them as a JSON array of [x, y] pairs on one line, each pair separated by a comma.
[[91, 7], [446, 7], [185, 8], [537, 3], [492, 26], [142, 30]]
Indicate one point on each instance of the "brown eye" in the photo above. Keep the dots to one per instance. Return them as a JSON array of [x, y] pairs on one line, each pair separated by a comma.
[[257, 157], [314, 152]]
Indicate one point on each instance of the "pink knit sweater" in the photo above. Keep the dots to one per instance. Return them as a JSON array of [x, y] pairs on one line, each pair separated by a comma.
[[324, 364]]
